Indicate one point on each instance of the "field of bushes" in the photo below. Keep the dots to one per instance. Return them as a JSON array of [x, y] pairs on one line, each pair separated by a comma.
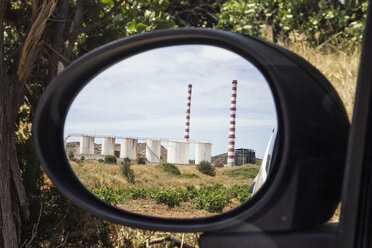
[[167, 189]]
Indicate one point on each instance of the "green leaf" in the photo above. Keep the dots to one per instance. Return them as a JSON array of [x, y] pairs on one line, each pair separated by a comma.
[[108, 2]]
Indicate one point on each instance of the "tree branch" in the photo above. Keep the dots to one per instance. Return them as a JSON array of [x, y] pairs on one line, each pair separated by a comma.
[[31, 45], [96, 23]]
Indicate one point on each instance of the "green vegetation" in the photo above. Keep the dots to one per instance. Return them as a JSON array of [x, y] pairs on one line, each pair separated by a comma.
[[211, 198], [243, 172], [70, 155], [317, 21], [127, 171], [170, 168], [110, 159], [188, 175], [141, 160], [101, 160], [206, 168]]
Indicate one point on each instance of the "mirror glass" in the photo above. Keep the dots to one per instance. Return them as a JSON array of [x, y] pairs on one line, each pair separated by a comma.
[[182, 131]]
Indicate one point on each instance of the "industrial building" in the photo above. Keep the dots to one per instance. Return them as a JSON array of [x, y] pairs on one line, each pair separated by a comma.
[[178, 151], [203, 151], [245, 156]]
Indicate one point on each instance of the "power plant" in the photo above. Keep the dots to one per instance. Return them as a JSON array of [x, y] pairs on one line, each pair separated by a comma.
[[178, 150]]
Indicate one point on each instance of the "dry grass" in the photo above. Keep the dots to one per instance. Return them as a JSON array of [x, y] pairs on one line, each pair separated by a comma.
[[96, 175], [340, 68], [138, 237]]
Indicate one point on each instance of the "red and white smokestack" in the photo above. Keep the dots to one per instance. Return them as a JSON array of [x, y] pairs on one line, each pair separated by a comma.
[[231, 146], [187, 124]]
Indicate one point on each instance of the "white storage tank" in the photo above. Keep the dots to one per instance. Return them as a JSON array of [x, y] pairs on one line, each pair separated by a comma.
[[203, 151], [86, 144], [108, 145], [128, 148], [153, 148], [178, 152]]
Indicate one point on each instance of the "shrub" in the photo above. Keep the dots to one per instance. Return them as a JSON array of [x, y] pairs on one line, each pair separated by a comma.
[[212, 198], [127, 171], [137, 193], [243, 172], [206, 168], [110, 159], [186, 175], [192, 191], [70, 155], [182, 193], [170, 197], [170, 168], [101, 160], [58, 218], [109, 195], [75, 160], [141, 160], [218, 164], [241, 192]]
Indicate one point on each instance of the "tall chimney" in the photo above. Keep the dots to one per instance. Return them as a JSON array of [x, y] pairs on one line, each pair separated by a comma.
[[187, 124], [231, 146]]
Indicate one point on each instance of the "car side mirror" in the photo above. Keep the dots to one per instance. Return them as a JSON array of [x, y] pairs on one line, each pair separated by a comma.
[[304, 184]]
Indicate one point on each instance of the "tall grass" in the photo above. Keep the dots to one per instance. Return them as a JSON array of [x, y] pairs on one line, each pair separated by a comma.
[[340, 67]]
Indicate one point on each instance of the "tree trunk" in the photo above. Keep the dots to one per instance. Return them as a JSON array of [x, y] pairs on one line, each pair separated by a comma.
[[12, 194]]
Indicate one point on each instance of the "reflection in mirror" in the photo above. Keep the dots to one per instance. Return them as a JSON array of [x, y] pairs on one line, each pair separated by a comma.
[[131, 142]]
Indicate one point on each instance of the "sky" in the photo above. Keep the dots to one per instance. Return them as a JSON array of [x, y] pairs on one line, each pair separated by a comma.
[[146, 95]]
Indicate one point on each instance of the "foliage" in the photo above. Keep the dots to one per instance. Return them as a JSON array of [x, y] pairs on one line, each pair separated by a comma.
[[241, 192], [110, 195], [243, 172], [67, 224], [70, 155], [196, 13], [318, 21], [90, 24], [170, 197], [110, 159], [192, 191], [78, 161], [170, 168], [206, 168], [137, 193], [187, 175], [141, 160], [101, 160], [211, 198], [127, 171]]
